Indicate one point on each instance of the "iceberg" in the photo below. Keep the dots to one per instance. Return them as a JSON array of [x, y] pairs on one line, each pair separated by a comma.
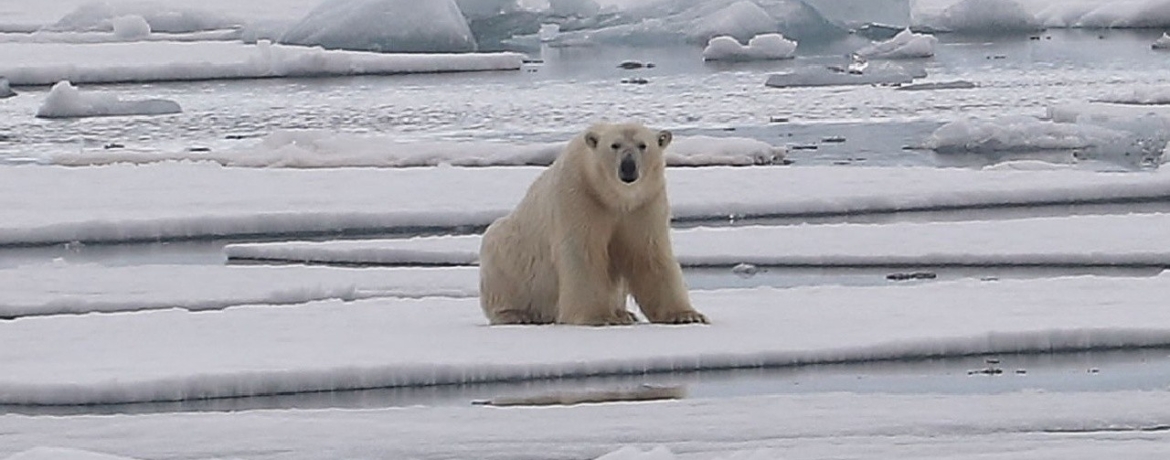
[[693, 21], [130, 27], [760, 47], [1162, 42], [574, 8], [101, 16], [1112, 14], [387, 26], [65, 101], [978, 17], [905, 45]]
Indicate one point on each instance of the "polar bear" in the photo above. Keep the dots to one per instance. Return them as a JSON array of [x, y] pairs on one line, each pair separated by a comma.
[[592, 229]]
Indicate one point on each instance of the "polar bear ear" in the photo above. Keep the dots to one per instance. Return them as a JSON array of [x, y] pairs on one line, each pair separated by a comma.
[[591, 139], [664, 138]]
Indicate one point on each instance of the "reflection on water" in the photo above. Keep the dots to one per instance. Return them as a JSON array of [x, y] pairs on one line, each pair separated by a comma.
[[1117, 370]]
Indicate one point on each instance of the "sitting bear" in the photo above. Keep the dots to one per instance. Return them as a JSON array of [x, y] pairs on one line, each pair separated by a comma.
[[593, 229]]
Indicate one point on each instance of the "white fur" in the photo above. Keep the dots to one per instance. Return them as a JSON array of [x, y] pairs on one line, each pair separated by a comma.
[[582, 239]]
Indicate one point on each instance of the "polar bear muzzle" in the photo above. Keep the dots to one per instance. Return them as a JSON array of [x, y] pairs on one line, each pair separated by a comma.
[[628, 170]]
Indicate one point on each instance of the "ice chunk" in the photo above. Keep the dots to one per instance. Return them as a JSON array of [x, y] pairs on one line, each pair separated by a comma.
[[979, 17], [1162, 42], [65, 101], [760, 47], [549, 32], [905, 45], [1112, 14], [130, 27], [389, 26], [740, 19], [99, 16], [5, 89]]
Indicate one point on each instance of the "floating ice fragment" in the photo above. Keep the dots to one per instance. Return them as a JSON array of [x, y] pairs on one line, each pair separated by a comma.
[[130, 27], [65, 101], [1162, 42], [5, 89], [874, 74], [760, 47], [905, 45]]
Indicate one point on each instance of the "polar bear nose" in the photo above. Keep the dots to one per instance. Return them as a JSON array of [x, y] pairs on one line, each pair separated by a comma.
[[628, 171]]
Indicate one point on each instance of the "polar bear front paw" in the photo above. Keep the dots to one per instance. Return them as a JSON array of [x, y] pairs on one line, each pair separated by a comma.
[[682, 317]]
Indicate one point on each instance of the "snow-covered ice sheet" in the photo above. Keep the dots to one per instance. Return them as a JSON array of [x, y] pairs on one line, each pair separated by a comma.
[[332, 345], [1019, 134], [67, 101], [48, 63], [1129, 240], [178, 200], [60, 288], [1024, 426], [317, 149]]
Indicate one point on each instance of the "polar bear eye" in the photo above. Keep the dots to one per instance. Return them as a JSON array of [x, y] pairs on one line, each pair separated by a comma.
[[616, 145], [642, 146]]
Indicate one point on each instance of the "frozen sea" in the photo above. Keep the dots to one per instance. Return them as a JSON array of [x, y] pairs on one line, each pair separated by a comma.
[[285, 269]]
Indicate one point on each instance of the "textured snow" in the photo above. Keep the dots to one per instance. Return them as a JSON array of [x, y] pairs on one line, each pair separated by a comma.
[[760, 47], [1025, 426], [149, 202], [320, 149], [54, 289], [390, 26], [66, 101], [163, 355], [905, 45], [48, 63], [1067, 241]]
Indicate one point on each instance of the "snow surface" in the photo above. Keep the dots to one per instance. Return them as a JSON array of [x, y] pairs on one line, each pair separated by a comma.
[[57, 453], [66, 101], [1022, 426], [760, 47], [48, 63], [61, 288], [149, 202], [391, 26], [1133, 240], [163, 355], [905, 45], [321, 149]]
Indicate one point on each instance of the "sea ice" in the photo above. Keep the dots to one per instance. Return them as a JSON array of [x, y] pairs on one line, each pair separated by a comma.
[[905, 45], [574, 8], [878, 73], [388, 26], [59, 453], [66, 101], [760, 47], [1019, 134], [1101, 14]]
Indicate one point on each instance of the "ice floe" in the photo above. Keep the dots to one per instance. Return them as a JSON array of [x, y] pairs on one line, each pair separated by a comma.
[[1018, 133], [858, 73], [1067, 241], [317, 149], [60, 453], [6, 89], [48, 63], [163, 355], [66, 101], [390, 26], [62, 288], [760, 47], [151, 202], [1022, 425]]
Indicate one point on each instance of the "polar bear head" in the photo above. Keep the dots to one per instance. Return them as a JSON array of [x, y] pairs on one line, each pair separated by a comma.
[[627, 157]]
